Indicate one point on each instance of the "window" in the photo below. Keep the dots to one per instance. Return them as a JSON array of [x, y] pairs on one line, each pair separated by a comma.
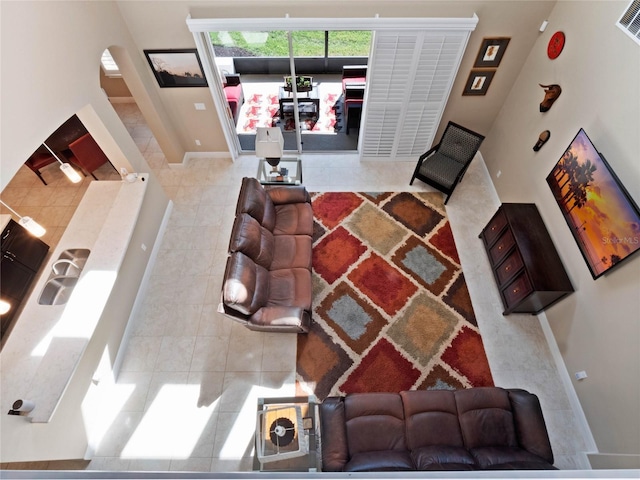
[[109, 66]]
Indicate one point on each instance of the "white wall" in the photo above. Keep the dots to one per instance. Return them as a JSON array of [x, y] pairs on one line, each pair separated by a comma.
[[598, 327], [156, 24], [50, 70]]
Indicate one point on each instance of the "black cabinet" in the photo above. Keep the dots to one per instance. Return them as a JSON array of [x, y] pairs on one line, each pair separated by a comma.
[[525, 263], [22, 257]]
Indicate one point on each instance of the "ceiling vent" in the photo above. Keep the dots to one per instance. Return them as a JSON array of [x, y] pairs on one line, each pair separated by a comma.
[[630, 21]]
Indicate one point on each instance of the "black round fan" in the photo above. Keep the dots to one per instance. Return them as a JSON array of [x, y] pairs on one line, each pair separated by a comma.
[[282, 431]]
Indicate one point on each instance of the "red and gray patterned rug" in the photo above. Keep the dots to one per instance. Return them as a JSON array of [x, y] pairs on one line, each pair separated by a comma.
[[391, 307]]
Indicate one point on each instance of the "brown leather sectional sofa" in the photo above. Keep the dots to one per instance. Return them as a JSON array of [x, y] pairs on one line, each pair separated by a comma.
[[267, 280], [487, 428]]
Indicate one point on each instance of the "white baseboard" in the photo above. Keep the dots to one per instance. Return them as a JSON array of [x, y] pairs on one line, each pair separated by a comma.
[[189, 155], [122, 100], [574, 401], [142, 290]]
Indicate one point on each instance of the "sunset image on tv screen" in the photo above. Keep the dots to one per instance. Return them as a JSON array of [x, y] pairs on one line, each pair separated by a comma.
[[601, 215]]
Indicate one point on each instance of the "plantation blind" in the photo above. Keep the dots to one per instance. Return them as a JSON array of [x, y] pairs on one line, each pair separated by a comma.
[[410, 78]]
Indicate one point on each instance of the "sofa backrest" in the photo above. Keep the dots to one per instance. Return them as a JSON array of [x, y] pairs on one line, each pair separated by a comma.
[[486, 419], [374, 422], [252, 239], [431, 418], [254, 200], [246, 284]]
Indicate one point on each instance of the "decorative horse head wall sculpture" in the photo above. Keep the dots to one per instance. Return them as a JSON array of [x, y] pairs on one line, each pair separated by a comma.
[[552, 92]]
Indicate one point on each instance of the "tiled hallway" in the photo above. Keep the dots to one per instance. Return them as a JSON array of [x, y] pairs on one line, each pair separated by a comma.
[[185, 397]]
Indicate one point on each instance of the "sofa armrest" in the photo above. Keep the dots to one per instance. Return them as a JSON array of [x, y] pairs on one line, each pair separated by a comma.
[[333, 434], [529, 422], [293, 194], [283, 318]]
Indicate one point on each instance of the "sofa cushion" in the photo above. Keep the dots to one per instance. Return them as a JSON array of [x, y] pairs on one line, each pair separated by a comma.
[[442, 457], [380, 461], [485, 417], [293, 219], [254, 200], [375, 422], [431, 418], [289, 288], [252, 239], [246, 284], [291, 251], [507, 458]]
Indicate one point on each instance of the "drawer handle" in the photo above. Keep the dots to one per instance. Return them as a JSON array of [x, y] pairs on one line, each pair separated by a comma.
[[493, 228], [516, 290], [500, 247], [507, 268]]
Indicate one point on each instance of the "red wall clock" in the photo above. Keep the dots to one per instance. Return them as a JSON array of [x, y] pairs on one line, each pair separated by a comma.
[[556, 44]]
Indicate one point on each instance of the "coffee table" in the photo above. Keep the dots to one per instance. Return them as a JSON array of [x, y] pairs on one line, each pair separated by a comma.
[[293, 166]]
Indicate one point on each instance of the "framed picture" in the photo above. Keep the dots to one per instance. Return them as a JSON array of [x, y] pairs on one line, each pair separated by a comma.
[[602, 216], [478, 82], [491, 52], [176, 68]]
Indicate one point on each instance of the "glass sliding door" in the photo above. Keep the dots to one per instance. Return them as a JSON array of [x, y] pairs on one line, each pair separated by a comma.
[[257, 67]]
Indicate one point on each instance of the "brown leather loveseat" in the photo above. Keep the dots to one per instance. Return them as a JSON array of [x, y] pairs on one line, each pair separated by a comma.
[[267, 280], [487, 428]]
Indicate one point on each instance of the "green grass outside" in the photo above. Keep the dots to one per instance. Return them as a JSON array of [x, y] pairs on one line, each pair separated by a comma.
[[305, 43]]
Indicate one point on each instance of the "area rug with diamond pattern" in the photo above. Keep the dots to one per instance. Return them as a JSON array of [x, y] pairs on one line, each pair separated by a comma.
[[391, 307]]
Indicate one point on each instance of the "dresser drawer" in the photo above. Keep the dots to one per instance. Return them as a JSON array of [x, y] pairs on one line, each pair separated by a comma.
[[517, 290], [501, 247], [507, 269], [494, 228]]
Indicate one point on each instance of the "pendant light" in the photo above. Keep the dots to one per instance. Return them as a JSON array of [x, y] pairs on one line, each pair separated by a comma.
[[66, 168], [29, 223]]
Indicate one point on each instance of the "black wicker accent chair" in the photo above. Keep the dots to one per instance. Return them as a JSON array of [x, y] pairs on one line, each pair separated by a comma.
[[444, 165]]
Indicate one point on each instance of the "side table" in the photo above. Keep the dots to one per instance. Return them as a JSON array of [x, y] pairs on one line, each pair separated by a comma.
[[307, 462], [267, 176]]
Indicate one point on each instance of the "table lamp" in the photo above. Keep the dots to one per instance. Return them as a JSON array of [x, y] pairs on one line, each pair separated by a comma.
[[280, 433], [270, 145]]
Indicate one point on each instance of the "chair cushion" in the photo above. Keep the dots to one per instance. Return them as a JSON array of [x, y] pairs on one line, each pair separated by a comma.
[[441, 169], [459, 143], [233, 93], [252, 239], [246, 284]]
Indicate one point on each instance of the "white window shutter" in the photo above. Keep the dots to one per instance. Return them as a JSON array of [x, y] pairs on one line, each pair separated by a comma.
[[410, 78]]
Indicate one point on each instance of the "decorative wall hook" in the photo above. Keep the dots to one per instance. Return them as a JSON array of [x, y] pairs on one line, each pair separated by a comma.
[[542, 139], [552, 92]]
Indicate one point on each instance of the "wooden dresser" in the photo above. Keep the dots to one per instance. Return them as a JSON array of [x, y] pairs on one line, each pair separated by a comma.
[[525, 263]]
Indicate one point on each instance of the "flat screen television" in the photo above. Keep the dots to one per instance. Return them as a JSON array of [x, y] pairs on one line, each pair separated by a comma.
[[602, 216]]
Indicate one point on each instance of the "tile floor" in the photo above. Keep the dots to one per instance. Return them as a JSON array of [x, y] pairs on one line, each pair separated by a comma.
[[186, 393]]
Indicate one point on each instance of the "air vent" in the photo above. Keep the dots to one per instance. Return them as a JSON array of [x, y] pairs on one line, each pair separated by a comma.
[[630, 21]]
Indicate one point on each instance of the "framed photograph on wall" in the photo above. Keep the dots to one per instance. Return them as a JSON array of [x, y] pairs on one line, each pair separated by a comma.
[[478, 82], [176, 68], [491, 52], [602, 216]]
